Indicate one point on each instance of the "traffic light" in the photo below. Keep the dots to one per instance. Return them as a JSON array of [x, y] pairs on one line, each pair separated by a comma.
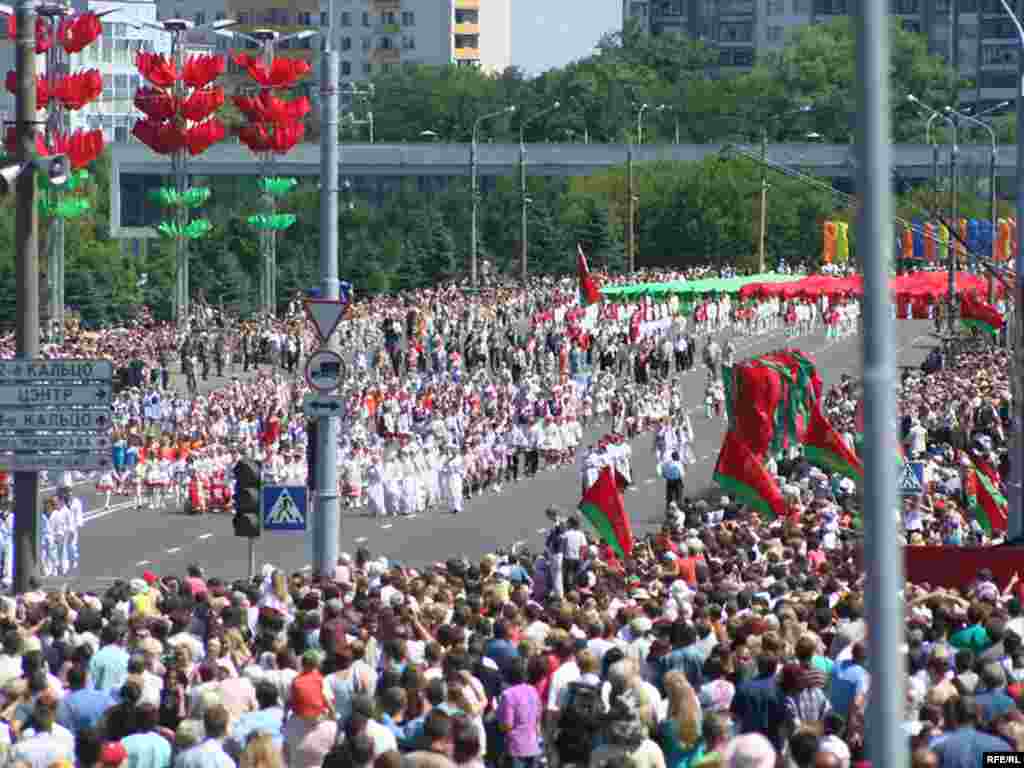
[[55, 167], [248, 485]]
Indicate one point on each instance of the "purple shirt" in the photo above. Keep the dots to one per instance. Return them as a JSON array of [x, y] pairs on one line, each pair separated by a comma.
[[519, 710]]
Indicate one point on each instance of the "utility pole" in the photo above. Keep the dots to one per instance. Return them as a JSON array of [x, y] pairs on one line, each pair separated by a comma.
[[473, 277], [26, 243], [327, 520], [524, 204], [1015, 527], [953, 251], [764, 201], [56, 122], [630, 234]]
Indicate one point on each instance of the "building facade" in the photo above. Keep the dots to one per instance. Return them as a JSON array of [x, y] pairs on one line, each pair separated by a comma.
[[974, 36], [374, 36]]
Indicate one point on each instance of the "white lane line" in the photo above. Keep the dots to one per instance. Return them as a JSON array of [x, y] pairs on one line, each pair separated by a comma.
[[111, 510], [173, 550], [649, 480], [307, 567], [142, 563], [386, 526], [204, 536], [359, 540]]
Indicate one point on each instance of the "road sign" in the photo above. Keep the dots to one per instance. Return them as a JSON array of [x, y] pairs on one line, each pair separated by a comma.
[[325, 370], [63, 395], [325, 315], [912, 479], [54, 420], [76, 441], [317, 406], [284, 508], [34, 462], [56, 371]]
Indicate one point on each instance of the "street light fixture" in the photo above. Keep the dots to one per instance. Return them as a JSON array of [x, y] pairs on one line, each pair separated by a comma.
[[675, 115], [473, 272], [428, 134], [524, 200], [640, 123], [954, 154]]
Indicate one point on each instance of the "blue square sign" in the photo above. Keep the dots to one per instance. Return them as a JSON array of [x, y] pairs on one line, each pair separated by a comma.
[[284, 508]]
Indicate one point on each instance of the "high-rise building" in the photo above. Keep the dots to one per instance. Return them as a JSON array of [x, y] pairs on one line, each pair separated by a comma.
[[373, 36], [984, 49]]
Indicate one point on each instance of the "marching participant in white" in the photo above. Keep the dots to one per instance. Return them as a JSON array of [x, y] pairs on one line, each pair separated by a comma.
[[48, 557], [75, 521], [375, 492], [6, 544], [454, 471]]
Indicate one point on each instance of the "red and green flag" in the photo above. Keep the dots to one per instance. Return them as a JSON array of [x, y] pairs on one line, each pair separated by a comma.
[[979, 315], [742, 473], [826, 448], [589, 294], [984, 499], [603, 507]]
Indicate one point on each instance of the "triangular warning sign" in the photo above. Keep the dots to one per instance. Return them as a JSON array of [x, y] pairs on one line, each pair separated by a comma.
[[909, 482], [325, 315], [285, 512]]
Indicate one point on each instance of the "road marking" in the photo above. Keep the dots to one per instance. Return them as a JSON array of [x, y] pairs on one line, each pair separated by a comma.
[[307, 567], [359, 540], [412, 517], [386, 526], [173, 550], [204, 536], [142, 563], [650, 480]]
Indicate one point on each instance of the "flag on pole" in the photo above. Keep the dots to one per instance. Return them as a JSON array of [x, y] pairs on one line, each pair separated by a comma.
[[984, 499], [603, 507], [977, 314], [742, 474], [589, 294]]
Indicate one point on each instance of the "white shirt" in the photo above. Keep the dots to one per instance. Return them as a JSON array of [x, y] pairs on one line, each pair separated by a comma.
[[560, 679], [573, 543]]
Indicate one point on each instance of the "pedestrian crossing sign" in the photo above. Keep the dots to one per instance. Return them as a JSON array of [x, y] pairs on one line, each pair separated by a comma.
[[911, 481], [284, 508]]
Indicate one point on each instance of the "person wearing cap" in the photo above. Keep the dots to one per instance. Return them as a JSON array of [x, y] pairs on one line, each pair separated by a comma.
[[45, 742]]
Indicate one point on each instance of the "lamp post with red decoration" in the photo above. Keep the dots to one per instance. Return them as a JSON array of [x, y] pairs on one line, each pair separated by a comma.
[[273, 127], [179, 103], [60, 33]]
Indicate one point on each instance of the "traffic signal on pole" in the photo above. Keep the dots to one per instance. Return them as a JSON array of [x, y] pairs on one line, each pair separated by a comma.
[[248, 486]]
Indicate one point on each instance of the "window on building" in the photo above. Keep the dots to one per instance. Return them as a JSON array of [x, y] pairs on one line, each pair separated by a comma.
[[120, 30], [997, 28], [346, 68], [346, 43], [409, 43], [467, 41], [467, 16], [638, 10], [324, 20], [775, 7], [136, 83], [219, 16], [200, 18], [386, 67], [108, 29], [830, 7], [409, 18], [736, 32], [367, 68], [907, 6], [243, 18], [998, 54], [121, 133], [912, 26], [388, 17], [346, 19], [801, 7], [366, 43], [305, 19], [384, 44], [743, 57], [366, 18], [941, 7], [108, 86], [998, 79], [773, 34]]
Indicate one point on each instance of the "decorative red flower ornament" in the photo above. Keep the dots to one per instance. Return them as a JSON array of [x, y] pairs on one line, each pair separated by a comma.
[[283, 73], [267, 108], [201, 137], [156, 103], [77, 90], [156, 68], [164, 138], [11, 142], [200, 71], [76, 33], [202, 103], [81, 147], [277, 138]]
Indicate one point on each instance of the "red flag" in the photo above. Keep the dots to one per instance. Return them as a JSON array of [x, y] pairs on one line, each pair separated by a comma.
[[603, 507], [823, 446], [589, 294], [975, 313], [742, 474]]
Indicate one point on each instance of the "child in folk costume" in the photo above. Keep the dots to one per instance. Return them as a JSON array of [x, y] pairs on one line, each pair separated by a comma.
[[105, 485], [353, 478], [156, 482], [452, 481], [48, 538], [375, 494], [393, 484], [180, 478], [410, 482], [709, 397], [139, 481]]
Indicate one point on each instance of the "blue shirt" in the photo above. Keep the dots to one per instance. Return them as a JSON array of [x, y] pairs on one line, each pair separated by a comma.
[[209, 754], [848, 679], [83, 709], [267, 720], [108, 669], [147, 750], [672, 470]]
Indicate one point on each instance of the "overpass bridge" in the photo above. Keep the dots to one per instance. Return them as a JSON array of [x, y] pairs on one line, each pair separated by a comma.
[[136, 169]]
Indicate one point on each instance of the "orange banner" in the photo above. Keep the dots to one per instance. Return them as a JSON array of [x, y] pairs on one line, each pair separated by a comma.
[[908, 245], [829, 251], [929, 242]]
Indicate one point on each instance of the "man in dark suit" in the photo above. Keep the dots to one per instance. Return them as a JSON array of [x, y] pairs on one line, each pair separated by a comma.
[[759, 706]]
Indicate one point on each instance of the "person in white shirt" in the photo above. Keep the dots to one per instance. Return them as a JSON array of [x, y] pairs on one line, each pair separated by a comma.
[[75, 520], [573, 544], [46, 743]]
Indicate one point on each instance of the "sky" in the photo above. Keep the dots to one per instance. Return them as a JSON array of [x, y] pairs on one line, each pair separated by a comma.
[[551, 33]]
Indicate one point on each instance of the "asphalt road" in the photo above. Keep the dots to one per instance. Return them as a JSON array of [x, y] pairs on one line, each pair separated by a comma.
[[123, 542]]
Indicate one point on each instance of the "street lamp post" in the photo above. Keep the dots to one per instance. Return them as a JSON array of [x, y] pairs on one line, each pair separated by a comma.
[[993, 157], [675, 115], [954, 212], [1015, 486], [524, 200], [761, 254], [640, 123], [268, 40], [368, 92], [473, 275]]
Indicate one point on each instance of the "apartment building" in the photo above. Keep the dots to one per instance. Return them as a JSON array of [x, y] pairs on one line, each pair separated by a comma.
[[974, 36], [373, 36]]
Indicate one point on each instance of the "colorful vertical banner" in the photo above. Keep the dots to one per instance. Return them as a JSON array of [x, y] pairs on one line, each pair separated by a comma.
[[1003, 240], [842, 242], [942, 251], [962, 227], [1013, 238], [828, 254], [918, 240], [907, 251], [973, 238], [929, 241]]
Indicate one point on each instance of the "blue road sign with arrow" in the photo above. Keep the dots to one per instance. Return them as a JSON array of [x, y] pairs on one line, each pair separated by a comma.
[[318, 406]]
